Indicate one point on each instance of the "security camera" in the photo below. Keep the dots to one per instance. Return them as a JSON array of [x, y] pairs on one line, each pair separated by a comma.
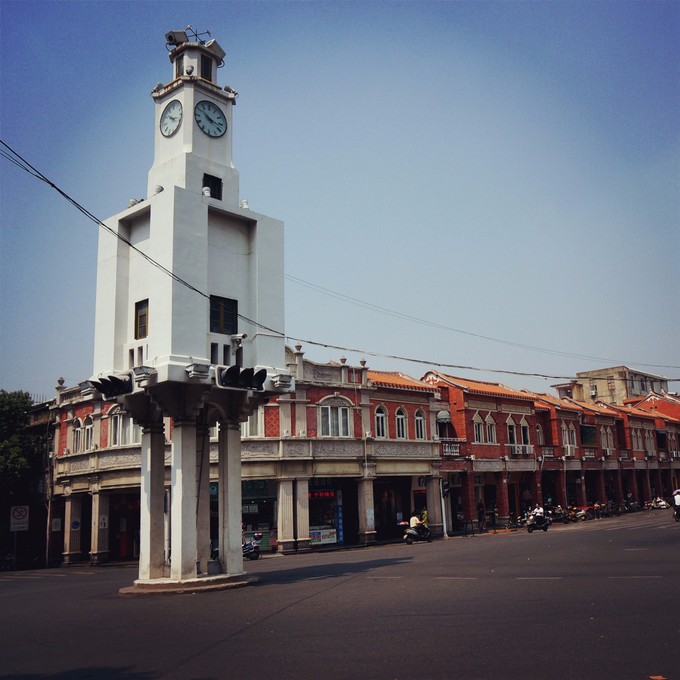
[[239, 337], [176, 37]]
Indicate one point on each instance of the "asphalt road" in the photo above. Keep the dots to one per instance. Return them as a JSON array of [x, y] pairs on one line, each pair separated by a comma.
[[598, 600]]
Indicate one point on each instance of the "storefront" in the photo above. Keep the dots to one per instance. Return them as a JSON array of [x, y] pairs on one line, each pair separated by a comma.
[[333, 512]]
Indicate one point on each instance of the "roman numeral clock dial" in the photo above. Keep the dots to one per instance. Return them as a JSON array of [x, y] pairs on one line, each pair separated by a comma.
[[210, 118]]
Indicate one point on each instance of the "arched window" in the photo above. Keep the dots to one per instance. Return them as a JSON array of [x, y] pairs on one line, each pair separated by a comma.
[[77, 436], [420, 425], [88, 439], [540, 438], [478, 428], [490, 429], [524, 432], [380, 422], [334, 416], [401, 423], [122, 429]]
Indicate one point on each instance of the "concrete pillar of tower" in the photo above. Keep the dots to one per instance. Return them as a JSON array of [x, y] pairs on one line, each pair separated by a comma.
[[367, 531], [72, 529], [203, 494], [99, 551], [284, 522], [302, 515], [229, 484], [183, 536], [152, 503]]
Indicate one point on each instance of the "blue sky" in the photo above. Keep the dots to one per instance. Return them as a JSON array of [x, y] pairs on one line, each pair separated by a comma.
[[484, 184]]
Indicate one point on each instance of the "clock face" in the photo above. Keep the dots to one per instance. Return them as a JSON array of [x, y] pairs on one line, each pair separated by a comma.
[[210, 118], [171, 118]]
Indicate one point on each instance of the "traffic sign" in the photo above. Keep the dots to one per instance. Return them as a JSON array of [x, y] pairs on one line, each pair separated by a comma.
[[18, 518]]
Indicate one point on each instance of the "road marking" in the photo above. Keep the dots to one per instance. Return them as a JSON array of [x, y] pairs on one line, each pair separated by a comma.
[[386, 577], [457, 578], [538, 578]]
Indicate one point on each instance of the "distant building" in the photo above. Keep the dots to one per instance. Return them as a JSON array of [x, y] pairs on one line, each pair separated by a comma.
[[613, 385]]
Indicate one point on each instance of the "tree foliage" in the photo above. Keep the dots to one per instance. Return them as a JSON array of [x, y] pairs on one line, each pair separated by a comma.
[[19, 449]]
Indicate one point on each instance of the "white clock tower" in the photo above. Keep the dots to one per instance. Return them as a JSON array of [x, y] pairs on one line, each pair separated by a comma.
[[189, 315]]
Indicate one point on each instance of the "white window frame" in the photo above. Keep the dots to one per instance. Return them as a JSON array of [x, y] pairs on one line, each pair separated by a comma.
[[380, 422], [77, 436], [334, 421], [88, 434], [402, 423], [491, 430], [420, 425], [540, 437], [478, 429]]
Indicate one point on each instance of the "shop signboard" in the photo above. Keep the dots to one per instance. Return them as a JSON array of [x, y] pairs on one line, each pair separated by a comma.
[[323, 536]]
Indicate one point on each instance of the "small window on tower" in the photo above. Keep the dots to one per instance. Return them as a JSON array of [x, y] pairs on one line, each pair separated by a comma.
[[223, 315], [141, 319], [206, 67], [215, 186], [179, 67]]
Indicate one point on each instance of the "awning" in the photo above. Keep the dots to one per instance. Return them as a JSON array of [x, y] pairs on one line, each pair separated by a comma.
[[443, 417]]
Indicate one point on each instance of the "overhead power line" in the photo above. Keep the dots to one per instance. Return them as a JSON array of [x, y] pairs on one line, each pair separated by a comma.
[[12, 156], [435, 324]]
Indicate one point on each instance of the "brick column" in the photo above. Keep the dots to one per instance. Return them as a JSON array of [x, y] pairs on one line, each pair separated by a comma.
[[502, 495], [468, 495]]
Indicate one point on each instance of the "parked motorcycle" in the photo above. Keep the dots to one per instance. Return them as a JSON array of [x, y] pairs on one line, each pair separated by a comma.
[[420, 532], [537, 522], [251, 548], [559, 514], [656, 504]]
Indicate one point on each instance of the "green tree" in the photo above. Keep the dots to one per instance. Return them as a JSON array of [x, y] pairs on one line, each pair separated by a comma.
[[20, 456]]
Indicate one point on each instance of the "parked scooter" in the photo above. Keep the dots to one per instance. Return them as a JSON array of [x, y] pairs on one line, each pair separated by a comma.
[[537, 522], [420, 532], [251, 548]]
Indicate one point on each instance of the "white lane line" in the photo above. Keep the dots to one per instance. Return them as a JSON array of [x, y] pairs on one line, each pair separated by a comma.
[[458, 578], [538, 578]]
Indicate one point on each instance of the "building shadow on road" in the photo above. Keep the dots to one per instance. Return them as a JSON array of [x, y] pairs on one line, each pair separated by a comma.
[[325, 571], [123, 673]]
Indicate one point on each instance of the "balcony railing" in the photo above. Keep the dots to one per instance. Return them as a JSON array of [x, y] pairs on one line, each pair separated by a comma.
[[451, 447], [520, 449]]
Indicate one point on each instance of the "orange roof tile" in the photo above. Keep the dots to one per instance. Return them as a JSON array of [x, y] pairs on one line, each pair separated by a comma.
[[541, 399], [479, 387], [399, 381]]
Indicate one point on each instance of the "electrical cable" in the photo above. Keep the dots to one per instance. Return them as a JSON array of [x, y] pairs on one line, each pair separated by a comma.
[[22, 163]]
